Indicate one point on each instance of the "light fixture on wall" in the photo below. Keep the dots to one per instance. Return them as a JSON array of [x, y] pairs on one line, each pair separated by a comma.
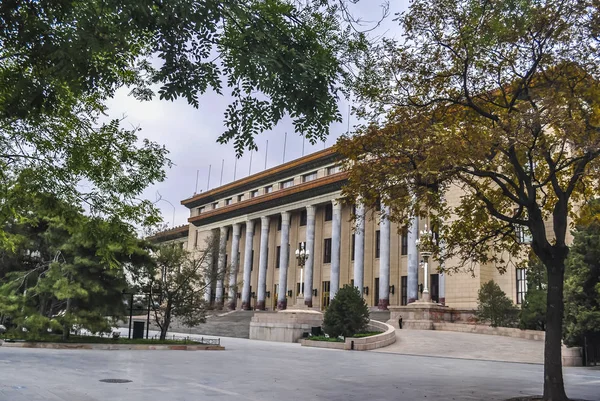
[[366, 290], [289, 293], [392, 289], [315, 292], [268, 294]]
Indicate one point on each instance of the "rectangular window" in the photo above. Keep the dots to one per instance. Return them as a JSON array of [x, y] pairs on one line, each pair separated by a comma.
[[215, 205], [240, 197], [278, 256], [378, 205], [327, 250], [352, 250], [201, 210], [326, 289], [328, 212], [298, 289], [404, 247], [309, 177], [521, 285], [268, 189], [303, 217], [227, 235], [523, 234], [279, 223], [252, 261], [286, 184], [403, 290], [333, 170], [267, 257], [228, 201], [377, 243], [254, 193], [196, 240]]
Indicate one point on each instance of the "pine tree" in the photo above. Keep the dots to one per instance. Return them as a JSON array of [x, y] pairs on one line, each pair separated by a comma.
[[494, 306], [582, 286], [347, 313]]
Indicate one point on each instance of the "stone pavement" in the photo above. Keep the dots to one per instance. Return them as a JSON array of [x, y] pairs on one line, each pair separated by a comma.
[[451, 344], [258, 370]]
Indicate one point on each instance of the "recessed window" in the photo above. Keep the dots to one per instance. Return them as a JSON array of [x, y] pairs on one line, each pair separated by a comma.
[[377, 243], [201, 210], [228, 201], [278, 256], [240, 197], [303, 218], [309, 177], [254, 193], [215, 205], [404, 247], [269, 189], [523, 235], [521, 285], [286, 184], [279, 220], [333, 170], [252, 261], [327, 250], [328, 212], [352, 251]]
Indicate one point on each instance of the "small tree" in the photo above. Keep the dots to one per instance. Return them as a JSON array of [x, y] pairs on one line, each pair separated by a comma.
[[494, 306], [347, 313], [533, 309], [177, 281], [582, 286]]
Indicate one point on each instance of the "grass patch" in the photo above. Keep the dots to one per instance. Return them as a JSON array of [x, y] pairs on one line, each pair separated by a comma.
[[328, 339], [366, 334], [95, 340]]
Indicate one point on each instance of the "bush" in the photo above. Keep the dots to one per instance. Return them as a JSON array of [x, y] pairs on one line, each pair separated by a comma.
[[495, 307], [347, 313]]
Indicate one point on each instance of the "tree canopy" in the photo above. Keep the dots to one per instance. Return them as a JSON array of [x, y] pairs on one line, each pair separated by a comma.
[[66, 269], [499, 101]]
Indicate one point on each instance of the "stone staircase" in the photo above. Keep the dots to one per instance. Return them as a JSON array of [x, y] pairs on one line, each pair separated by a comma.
[[380, 315]]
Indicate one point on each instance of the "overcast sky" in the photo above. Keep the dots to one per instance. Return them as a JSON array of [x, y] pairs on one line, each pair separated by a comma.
[[190, 135]]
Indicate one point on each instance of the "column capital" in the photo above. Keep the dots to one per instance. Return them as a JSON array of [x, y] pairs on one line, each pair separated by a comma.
[[264, 220], [237, 228], [285, 217], [310, 210], [224, 230], [249, 226]]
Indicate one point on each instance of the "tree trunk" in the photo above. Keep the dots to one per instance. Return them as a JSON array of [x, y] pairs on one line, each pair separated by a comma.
[[67, 324], [166, 322], [554, 388]]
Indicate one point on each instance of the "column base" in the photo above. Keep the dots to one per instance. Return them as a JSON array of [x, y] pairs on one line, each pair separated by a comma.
[[443, 301], [383, 304], [282, 305], [260, 305], [308, 303], [410, 300], [232, 305], [218, 304], [426, 297], [246, 306]]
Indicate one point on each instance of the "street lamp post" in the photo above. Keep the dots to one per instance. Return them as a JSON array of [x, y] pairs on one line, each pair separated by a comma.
[[423, 243], [302, 255]]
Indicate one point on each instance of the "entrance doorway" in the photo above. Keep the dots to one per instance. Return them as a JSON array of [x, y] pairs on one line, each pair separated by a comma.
[[376, 291], [275, 295], [325, 294], [435, 288]]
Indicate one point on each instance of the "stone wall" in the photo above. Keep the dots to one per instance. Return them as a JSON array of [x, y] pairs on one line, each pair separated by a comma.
[[284, 326], [496, 331], [387, 337]]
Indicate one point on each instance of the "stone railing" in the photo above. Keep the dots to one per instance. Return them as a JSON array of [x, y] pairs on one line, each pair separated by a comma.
[[385, 338]]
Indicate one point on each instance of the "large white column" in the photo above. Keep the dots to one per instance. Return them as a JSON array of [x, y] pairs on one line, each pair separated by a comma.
[[336, 230], [284, 258], [262, 263], [413, 261], [221, 266], [235, 264], [359, 247], [246, 305], [384, 258], [310, 247], [442, 279]]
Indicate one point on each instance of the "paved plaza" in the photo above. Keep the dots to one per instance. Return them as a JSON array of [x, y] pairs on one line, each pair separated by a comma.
[[255, 370]]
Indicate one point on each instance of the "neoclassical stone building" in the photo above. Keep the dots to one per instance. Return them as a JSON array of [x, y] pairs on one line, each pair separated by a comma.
[[261, 221]]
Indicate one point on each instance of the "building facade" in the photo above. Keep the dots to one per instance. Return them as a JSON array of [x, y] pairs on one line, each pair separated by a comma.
[[262, 220]]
